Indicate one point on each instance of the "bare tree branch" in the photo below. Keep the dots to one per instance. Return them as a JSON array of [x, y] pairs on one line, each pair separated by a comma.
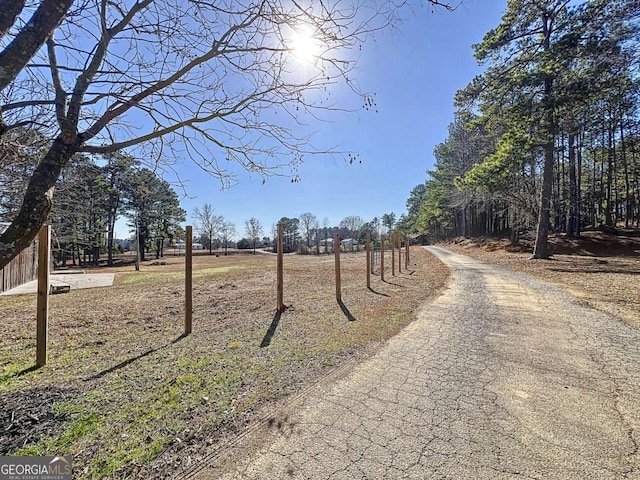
[[10, 10], [30, 38]]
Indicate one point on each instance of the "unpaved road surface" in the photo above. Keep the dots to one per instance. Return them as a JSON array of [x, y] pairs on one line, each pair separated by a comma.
[[503, 376]]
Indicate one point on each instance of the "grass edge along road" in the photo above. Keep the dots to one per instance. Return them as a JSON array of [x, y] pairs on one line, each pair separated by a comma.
[[129, 397]]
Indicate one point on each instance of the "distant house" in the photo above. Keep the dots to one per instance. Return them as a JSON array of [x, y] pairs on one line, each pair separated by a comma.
[[194, 246], [328, 241], [22, 269], [349, 242]]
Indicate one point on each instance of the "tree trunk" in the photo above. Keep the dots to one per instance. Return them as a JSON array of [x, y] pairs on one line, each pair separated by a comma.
[[110, 245], [579, 187], [557, 196], [608, 211], [601, 206], [627, 190], [31, 37], [614, 174], [636, 191], [37, 202], [593, 192], [514, 227], [142, 240], [540, 249], [112, 214], [572, 224]]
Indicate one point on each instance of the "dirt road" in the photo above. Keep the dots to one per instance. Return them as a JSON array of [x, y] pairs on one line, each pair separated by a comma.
[[503, 376]]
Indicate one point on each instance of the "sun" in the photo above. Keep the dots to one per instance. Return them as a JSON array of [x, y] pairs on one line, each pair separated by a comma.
[[304, 45]]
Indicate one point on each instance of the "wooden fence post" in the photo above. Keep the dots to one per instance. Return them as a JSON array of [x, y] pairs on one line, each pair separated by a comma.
[[374, 257], [280, 272], [336, 249], [406, 255], [393, 254], [188, 281], [399, 240], [42, 315], [382, 257], [368, 247], [137, 247]]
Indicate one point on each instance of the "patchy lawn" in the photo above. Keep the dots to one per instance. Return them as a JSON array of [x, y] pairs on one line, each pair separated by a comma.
[[128, 396]]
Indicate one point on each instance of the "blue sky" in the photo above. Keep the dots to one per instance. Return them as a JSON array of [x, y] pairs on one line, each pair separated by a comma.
[[414, 72]]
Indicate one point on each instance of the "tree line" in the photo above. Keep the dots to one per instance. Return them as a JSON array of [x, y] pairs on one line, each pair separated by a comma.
[[91, 194], [304, 234], [94, 191], [548, 137]]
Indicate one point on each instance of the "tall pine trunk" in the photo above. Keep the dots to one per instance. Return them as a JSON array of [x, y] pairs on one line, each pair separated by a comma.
[[579, 187], [541, 246], [608, 210], [572, 226], [540, 249], [625, 166]]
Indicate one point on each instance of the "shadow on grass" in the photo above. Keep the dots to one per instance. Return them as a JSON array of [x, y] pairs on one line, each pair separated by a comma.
[[394, 284], [22, 372], [133, 359], [377, 293], [406, 273], [346, 311], [272, 329]]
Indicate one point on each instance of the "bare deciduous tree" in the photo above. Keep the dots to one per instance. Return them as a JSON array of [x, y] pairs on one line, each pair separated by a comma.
[[253, 230], [308, 224], [214, 81], [351, 225], [325, 231], [227, 232], [208, 224]]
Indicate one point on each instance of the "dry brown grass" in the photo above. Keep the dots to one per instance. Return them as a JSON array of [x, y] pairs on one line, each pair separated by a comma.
[[603, 278], [127, 394]]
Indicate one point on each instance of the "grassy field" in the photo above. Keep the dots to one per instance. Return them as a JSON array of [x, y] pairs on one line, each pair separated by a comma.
[[128, 395]]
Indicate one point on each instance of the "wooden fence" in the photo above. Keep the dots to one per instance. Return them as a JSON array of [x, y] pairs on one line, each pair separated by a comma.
[[21, 269]]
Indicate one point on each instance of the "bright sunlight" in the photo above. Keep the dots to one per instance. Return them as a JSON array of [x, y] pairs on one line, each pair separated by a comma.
[[304, 45]]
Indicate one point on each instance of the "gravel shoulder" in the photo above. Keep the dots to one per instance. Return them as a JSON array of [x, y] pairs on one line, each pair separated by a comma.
[[604, 280]]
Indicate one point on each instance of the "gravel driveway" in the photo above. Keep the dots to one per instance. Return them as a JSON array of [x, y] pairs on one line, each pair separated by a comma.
[[503, 376]]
